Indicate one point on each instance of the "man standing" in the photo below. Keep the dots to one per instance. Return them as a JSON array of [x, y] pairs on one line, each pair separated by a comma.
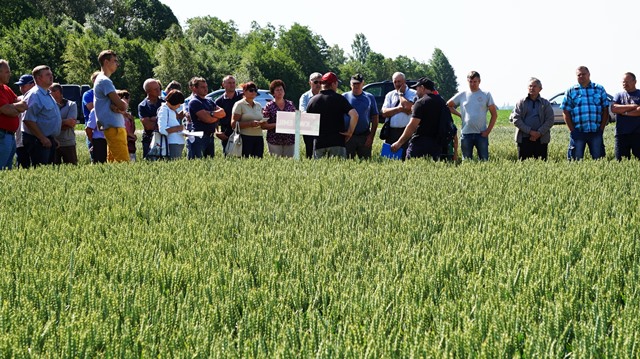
[[365, 104], [585, 109], [315, 83], [66, 149], [87, 106], [25, 84], [148, 112], [423, 129], [10, 109], [397, 109], [42, 119], [226, 102], [626, 105], [332, 108], [533, 118], [109, 108], [204, 115], [474, 105]]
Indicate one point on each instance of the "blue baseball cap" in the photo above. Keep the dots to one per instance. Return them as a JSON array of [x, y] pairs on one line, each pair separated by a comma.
[[24, 80]]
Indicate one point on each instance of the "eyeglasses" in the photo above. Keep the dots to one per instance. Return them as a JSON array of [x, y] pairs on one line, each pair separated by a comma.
[[317, 82], [251, 89], [125, 96]]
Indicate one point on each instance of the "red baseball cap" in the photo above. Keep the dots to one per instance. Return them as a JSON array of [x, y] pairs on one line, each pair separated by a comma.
[[329, 78]]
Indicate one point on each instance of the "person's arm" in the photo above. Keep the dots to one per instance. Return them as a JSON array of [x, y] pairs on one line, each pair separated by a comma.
[[35, 130], [149, 123], [243, 124], [492, 121], [547, 121], [210, 116], [117, 102], [267, 113], [89, 132], [605, 117], [353, 114], [517, 118], [406, 135], [452, 108], [70, 121], [566, 115], [13, 109], [372, 131]]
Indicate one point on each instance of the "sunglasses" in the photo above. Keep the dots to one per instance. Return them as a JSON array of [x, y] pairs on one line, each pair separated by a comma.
[[252, 90], [317, 82]]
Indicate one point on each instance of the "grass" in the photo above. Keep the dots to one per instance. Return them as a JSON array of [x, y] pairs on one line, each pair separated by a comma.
[[282, 258]]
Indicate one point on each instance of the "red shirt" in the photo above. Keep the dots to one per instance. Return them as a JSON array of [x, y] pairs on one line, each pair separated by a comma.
[[7, 96]]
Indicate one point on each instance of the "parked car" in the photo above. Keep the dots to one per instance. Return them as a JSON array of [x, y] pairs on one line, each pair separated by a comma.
[[380, 89], [556, 101], [263, 97]]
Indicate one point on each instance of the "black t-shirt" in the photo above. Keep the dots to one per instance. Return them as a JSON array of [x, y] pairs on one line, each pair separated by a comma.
[[227, 105], [427, 109], [332, 108]]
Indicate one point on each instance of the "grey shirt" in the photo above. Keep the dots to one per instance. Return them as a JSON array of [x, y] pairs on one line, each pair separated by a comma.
[[67, 136]]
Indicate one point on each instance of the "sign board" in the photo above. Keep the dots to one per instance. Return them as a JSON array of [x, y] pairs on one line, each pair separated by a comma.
[[309, 123]]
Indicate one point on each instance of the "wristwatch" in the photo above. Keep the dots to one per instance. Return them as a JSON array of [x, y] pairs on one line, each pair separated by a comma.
[[211, 113]]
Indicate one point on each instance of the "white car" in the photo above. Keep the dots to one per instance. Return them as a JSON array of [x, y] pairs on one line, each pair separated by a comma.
[[263, 97], [556, 101]]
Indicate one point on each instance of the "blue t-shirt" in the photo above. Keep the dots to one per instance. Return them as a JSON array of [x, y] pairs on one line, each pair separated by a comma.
[[91, 123], [196, 105], [627, 124], [102, 104], [87, 97], [366, 106]]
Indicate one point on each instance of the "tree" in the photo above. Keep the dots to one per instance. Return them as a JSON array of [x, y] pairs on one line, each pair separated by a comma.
[[360, 48], [304, 48], [198, 28], [147, 19], [35, 42], [443, 74], [176, 60]]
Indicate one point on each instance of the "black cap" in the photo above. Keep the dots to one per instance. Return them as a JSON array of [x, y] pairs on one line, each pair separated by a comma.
[[357, 78], [423, 81]]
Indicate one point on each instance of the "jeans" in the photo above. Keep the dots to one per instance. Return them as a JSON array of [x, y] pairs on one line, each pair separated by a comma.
[[38, 154], [202, 147], [627, 143], [7, 150], [579, 140], [335, 151], [470, 140]]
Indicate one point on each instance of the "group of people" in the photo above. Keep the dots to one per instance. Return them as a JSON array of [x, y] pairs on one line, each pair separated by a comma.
[[38, 126]]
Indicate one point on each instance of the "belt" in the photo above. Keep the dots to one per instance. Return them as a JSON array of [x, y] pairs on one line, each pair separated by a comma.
[[365, 133], [12, 133]]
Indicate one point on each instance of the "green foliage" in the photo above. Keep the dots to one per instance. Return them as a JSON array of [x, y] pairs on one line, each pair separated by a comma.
[[497, 259], [34, 42], [360, 48], [305, 48], [443, 74], [146, 19], [223, 33]]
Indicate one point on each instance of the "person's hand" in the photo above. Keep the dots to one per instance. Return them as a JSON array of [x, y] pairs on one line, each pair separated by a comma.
[[485, 133], [395, 146], [256, 124], [534, 135], [222, 136], [369, 142], [264, 125], [347, 136], [46, 143]]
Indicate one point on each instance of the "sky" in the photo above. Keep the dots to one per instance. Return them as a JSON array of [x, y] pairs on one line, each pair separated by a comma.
[[507, 42]]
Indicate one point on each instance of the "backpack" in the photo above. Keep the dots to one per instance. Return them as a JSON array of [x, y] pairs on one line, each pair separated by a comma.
[[447, 130]]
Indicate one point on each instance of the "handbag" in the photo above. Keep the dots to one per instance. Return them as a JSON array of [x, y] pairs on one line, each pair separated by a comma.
[[384, 131], [234, 145], [159, 147]]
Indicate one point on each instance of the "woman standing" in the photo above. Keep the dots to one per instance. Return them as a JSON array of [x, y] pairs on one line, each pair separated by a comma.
[[248, 114], [169, 125], [279, 144]]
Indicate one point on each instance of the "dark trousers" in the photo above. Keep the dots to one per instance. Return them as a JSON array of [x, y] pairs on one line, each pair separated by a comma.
[[38, 154], [22, 155], [532, 149], [203, 147], [147, 137], [626, 144], [308, 145], [252, 146], [393, 136], [99, 150], [66, 154], [356, 146], [426, 147]]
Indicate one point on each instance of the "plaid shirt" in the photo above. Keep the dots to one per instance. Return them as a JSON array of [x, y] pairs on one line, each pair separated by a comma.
[[586, 105]]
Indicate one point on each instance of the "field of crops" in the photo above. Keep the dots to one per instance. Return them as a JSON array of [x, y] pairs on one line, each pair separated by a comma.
[[278, 258]]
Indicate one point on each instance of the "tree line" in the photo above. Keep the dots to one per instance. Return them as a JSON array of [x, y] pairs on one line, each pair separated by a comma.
[[151, 43]]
